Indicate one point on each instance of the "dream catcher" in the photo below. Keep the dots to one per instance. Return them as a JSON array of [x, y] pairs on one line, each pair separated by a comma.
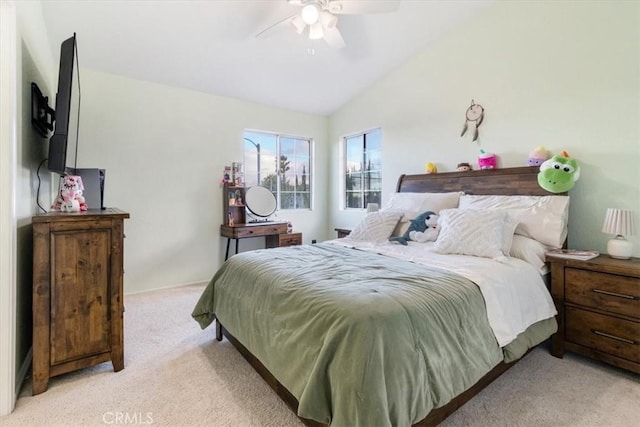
[[474, 117]]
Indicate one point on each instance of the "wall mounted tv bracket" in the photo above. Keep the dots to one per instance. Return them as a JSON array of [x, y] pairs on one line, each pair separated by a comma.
[[42, 116]]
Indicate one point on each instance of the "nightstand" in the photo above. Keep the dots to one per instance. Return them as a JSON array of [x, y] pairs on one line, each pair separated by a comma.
[[598, 303], [342, 232], [281, 240]]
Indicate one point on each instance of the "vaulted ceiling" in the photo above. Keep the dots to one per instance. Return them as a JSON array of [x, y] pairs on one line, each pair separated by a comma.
[[211, 46]]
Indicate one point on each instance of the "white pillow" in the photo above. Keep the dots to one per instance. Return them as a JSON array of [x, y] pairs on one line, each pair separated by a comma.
[[543, 218], [531, 251], [472, 232], [422, 202], [413, 204], [508, 229], [376, 226]]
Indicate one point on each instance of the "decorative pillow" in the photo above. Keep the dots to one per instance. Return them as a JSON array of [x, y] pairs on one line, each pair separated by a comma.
[[412, 204], [471, 232], [531, 251], [543, 218], [376, 226]]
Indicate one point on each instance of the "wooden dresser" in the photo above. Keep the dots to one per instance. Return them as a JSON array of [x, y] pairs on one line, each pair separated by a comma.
[[77, 292], [598, 303]]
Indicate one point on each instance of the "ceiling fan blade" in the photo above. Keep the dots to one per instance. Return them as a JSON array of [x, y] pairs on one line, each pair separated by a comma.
[[328, 20], [298, 24], [333, 38], [281, 23], [362, 7]]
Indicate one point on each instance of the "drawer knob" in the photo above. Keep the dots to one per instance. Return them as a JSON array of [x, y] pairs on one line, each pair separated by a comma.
[[614, 337], [614, 294]]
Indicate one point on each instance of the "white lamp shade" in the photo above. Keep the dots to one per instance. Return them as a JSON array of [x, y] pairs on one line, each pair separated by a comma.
[[619, 222]]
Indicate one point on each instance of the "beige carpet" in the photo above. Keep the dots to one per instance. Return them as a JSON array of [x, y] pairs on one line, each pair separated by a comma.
[[177, 375]]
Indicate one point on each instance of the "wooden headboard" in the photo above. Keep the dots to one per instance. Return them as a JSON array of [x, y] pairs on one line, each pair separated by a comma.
[[522, 181]]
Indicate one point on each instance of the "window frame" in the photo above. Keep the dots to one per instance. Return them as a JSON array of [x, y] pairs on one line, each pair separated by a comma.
[[309, 172], [364, 159]]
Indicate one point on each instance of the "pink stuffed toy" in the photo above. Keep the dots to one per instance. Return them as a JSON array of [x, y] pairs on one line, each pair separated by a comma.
[[487, 160], [70, 198]]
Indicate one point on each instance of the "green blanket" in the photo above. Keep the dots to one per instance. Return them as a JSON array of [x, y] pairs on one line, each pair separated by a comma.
[[359, 339]]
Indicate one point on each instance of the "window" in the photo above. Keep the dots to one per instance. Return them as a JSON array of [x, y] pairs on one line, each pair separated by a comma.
[[280, 163], [363, 166]]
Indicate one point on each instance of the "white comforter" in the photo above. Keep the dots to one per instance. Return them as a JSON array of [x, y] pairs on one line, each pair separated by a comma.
[[514, 292]]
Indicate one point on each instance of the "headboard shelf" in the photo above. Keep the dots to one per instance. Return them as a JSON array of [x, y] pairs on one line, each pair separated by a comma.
[[521, 181]]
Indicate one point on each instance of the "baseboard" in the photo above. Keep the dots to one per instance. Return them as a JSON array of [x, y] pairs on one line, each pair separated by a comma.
[[24, 369], [200, 283]]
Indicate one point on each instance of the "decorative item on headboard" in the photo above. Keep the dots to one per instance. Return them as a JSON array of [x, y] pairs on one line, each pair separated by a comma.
[[487, 160], [431, 167], [464, 167], [537, 156], [559, 173], [475, 114]]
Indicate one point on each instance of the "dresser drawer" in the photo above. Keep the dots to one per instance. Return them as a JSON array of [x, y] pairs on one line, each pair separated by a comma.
[[281, 240], [609, 292], [261, 230], [610, 335], [291, 239]]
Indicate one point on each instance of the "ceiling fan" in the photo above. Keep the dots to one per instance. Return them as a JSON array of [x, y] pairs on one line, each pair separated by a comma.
[[319, 17]]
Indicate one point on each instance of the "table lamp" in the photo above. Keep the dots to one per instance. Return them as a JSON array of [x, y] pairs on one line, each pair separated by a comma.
[[620, 223]]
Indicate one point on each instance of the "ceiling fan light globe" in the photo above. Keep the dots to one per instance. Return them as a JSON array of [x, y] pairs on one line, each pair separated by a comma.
[[310, 14], [315, 31]]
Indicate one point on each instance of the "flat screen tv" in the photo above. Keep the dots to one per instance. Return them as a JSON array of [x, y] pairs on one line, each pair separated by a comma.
[[63, 144]]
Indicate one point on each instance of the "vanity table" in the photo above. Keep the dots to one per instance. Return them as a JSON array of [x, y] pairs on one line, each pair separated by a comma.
[[254, 229], [260, 203]]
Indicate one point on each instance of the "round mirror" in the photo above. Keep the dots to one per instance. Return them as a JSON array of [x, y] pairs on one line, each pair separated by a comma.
[[260, 201]]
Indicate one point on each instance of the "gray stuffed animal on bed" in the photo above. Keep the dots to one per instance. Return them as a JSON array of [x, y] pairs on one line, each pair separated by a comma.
[[418, 224]]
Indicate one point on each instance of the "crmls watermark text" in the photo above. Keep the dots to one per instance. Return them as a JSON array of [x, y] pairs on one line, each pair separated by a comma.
[[127, 418]]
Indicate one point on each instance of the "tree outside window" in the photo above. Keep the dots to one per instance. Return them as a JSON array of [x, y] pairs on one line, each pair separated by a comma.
[[363, 166], [282, 164]]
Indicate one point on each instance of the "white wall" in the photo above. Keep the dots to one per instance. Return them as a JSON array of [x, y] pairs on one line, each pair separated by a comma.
[[8, 113], [164, 150], [26, 58], [564, 75]]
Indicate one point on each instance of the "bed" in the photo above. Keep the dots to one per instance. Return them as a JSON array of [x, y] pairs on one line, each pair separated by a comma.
[[360, 331]]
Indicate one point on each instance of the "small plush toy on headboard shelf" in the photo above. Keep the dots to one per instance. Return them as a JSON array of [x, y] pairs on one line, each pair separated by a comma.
[[537, 156], [463, 167], [559, 173], [431, 168], [487, 160]]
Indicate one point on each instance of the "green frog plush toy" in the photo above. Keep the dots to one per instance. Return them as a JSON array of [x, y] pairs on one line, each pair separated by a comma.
[[559, 173]]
